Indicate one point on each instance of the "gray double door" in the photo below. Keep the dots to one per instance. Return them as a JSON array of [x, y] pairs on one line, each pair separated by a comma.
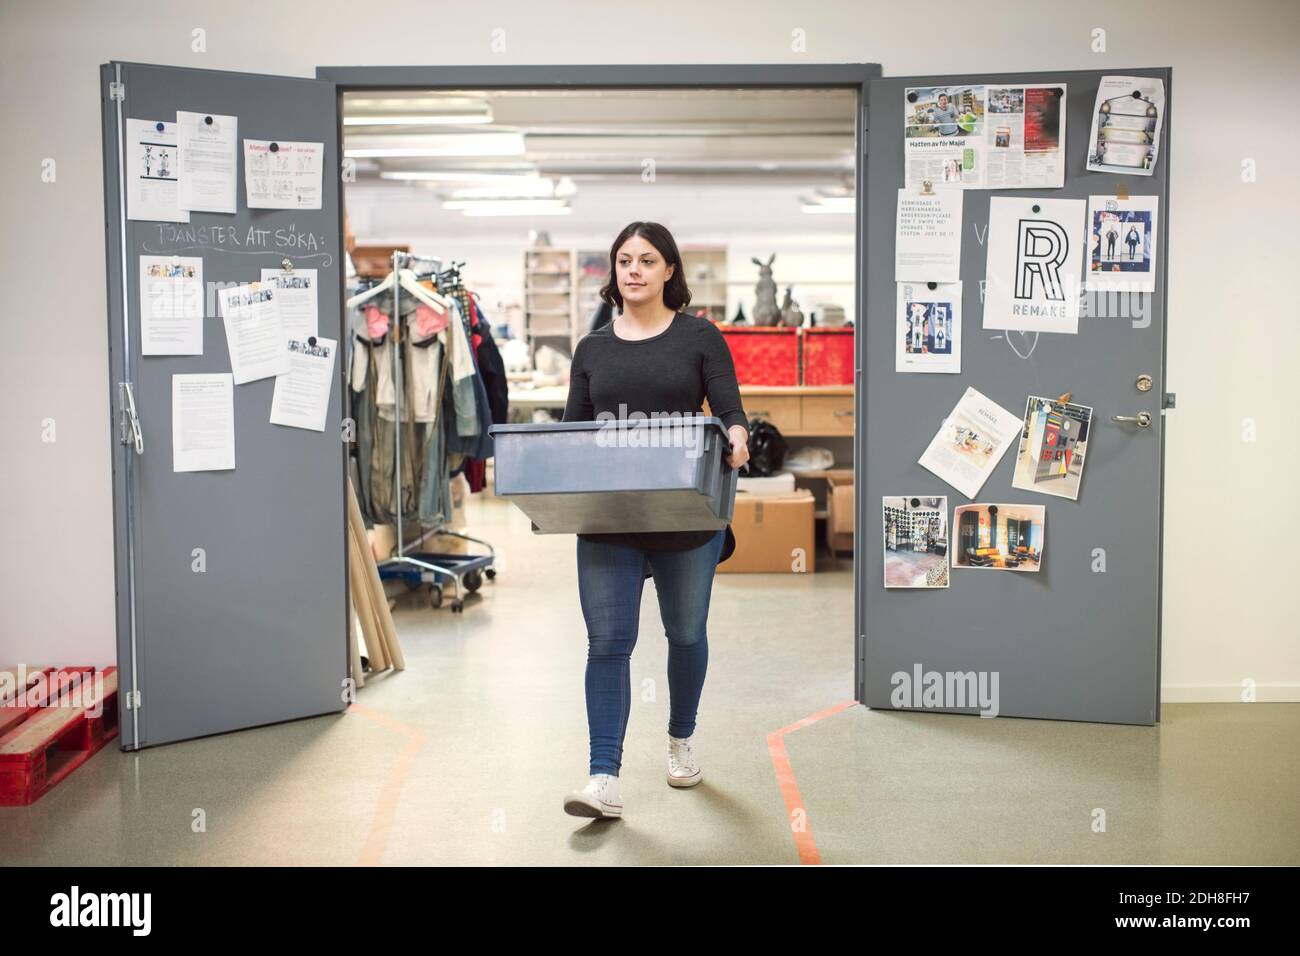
[[1079, 639], [231, 585]]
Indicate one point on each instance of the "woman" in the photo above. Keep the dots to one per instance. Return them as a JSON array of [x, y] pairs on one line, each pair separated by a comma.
[[652, 358]]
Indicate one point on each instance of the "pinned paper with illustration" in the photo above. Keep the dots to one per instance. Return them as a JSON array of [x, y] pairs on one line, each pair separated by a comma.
[[1122, 244], [927, 329], [1035, 261], [915, 530], [1053, 447], [1007, 537]]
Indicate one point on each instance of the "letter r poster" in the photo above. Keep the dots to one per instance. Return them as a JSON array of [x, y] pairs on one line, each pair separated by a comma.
[[1035, 264]]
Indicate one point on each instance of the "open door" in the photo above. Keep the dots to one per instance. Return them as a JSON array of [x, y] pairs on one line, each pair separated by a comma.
[[231, 585], [1084, 641]]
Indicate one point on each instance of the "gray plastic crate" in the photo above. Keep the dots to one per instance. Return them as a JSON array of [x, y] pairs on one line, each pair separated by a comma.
[[666, 474]]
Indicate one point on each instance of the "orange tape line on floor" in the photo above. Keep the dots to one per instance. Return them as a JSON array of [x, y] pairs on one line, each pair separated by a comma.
[[804, 842], [386, 805]]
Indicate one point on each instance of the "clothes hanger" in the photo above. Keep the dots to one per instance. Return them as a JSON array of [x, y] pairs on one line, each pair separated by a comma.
[[370, 293], [432, 299]]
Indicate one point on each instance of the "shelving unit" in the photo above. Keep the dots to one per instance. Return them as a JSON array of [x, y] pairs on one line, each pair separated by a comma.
[[706, 274], [548, 298], [562, 290]]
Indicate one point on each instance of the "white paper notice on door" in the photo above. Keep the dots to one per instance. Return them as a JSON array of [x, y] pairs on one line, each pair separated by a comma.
[[1126, 122], [970, 442], [927, 327], [302, 396], [1121, 244], [254, 334], [927, 236], [152, 189], [209, 161], [985, 137], [296, 293], [171, 305], [203, 422], [1035, 264], [282, 175]]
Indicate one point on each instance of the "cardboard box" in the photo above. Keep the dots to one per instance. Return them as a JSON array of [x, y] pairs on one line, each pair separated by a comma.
[[768, 531], [839, 511]]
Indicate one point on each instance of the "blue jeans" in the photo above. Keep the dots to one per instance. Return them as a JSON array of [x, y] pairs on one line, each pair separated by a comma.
[[611, 578]]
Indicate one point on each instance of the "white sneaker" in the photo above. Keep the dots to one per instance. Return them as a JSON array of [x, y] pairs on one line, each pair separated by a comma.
[[683, 771], [599, 798]]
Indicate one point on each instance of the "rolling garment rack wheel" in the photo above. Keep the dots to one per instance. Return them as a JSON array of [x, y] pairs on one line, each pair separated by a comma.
[[473, 580], [491, 573], [435, 595], [457, 606]]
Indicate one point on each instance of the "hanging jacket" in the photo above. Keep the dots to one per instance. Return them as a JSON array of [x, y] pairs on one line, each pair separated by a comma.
[[492, 367]]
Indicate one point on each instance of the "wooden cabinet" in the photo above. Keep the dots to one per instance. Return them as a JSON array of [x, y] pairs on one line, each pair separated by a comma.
[[799, 410], [783, 411], [827, 415]]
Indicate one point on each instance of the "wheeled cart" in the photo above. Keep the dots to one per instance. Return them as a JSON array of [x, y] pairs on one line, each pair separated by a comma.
[[436, 568]]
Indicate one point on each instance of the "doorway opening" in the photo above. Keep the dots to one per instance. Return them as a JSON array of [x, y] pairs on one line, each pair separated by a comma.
[[521, 188]]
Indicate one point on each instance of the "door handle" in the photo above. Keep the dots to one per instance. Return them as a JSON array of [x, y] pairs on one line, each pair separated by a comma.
[[130, 420], [1141, 419]]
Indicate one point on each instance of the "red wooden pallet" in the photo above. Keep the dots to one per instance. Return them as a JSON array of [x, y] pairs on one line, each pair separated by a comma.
[[39, 685], [46, 743]]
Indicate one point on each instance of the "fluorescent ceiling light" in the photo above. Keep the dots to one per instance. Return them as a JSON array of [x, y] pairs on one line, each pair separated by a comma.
[[429, 104], [835, 209], [522, 188], [451, 144], [530, 211], [503, 203], [829, 204], [431, 119], [456, 176]]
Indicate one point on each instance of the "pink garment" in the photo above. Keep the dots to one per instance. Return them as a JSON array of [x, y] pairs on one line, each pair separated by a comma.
[[376, 322], [428, 322]]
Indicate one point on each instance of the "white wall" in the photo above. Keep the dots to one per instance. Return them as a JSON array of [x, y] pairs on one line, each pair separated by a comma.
[[1230, 601]]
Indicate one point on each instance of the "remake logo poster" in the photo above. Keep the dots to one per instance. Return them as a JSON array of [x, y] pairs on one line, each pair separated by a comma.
[[1035, 264]]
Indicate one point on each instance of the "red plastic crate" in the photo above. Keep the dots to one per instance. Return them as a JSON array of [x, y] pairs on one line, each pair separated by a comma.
[[828, 356], [763, 356]]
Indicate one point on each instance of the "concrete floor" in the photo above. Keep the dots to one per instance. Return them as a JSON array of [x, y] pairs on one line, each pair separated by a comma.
[[464, 757]]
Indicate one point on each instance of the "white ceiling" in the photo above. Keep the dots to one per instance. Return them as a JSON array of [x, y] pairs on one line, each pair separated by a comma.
[[711, 164]]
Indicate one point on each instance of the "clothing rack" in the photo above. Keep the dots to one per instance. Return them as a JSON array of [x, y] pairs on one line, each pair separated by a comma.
[[443, 565]]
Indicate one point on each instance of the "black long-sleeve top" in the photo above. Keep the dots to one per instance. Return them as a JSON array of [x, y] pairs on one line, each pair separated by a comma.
[[673, 371]]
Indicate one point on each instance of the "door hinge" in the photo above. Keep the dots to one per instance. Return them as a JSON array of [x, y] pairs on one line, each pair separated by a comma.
[[129, 421], [133, 700], [1171, 400], [117, 90]]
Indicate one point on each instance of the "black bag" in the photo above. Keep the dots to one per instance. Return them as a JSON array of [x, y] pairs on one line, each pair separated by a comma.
[[767, 448]]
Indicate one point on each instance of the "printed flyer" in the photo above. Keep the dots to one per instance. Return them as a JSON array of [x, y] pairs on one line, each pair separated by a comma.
[[1126, 125], [1121, 244], [977, 137], [927, 332], [970, 442]]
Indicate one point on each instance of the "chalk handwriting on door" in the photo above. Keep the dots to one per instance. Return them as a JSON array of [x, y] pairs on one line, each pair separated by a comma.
[[1028, 341], [253, 240], [980, 236]]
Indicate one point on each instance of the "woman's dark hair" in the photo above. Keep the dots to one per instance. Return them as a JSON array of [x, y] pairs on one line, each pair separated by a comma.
[[676, 295]]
